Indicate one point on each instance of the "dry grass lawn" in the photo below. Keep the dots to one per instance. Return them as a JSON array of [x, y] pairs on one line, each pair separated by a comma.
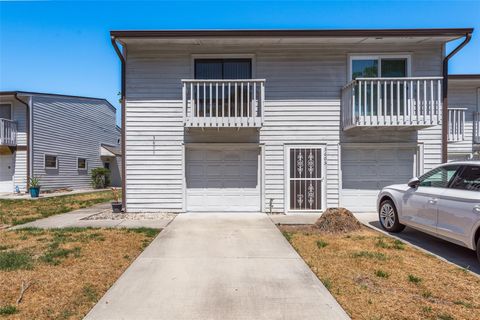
[[68, 269], [18, 211], [375, 277]]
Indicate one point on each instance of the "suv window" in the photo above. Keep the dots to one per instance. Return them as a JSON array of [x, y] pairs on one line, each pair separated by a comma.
[[439, 177], [467, 179]]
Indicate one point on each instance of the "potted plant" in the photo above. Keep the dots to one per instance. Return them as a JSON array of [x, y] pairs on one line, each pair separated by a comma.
[[34, 188], [116, 205]]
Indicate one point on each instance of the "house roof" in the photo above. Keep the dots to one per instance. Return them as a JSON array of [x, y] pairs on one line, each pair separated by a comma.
[[464, 76], [30, 93], [114, 151], [439, 32]]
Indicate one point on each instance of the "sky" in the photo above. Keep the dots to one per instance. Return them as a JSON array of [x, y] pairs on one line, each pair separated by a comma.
[[64, 47]]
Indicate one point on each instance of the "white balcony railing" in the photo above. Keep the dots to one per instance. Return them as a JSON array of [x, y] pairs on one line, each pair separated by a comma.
[[456, 124], [8, 132], [386, 102], [223, 103], [476, 127]]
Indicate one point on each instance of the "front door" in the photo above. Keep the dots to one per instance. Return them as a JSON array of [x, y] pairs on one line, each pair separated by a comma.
[[306, 178], [420, 207], [6, 173]]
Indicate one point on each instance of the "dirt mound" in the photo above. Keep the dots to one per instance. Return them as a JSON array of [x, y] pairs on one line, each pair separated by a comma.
[[337, 220]]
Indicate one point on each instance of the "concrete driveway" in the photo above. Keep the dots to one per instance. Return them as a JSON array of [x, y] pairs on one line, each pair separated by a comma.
[[453, 253], [218, 266]]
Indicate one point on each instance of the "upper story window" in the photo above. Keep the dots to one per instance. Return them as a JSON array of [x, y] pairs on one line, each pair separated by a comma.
[[223, 69], [51, 161], [6, 111], [379, 66]]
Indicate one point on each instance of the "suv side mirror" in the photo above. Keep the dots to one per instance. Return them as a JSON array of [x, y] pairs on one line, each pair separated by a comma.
[[413, 183]]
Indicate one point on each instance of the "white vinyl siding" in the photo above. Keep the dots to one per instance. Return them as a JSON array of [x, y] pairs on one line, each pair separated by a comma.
[[70, 128], [302, 106], [463, 94]]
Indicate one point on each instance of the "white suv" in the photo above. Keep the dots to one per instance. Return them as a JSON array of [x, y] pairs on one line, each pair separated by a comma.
[[444, 202]]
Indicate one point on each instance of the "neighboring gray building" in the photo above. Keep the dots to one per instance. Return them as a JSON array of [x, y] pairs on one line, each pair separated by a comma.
[[57, 138], [282, 120], [464, 113]]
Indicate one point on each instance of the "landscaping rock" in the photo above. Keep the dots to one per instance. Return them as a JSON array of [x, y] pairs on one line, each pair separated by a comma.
[[337, 220]]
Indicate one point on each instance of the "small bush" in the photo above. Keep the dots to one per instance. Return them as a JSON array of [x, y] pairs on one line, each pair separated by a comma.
[[7, 310], [321, 244], [100, 178], [14, 260]]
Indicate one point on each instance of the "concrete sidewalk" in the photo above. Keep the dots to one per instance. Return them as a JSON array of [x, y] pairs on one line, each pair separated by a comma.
[[74, 219], [218, 266]]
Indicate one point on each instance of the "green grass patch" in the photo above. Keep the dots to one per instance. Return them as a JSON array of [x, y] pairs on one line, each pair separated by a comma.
[[15, 260], [414, 279], [321, 244], [463, 303], [327, 283], [382, 274], [370, 255], [287, 235], [90, 293], [427, 294], [55, 255], [8, 310], [149, 232]]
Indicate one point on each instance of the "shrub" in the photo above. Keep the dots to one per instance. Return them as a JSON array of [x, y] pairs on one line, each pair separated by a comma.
[[100, 178]]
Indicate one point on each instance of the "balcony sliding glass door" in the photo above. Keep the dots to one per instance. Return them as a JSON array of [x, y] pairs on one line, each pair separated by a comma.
[[236, 97]]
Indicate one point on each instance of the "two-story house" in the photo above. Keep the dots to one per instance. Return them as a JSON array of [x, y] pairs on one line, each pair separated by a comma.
[[464, 116], [279, 120], [56, 138]]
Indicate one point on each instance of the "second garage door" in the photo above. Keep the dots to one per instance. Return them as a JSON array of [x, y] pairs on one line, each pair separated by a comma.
[[366, 170], [223, 179]]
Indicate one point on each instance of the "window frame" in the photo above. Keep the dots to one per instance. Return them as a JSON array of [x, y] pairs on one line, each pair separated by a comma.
[[378, 57], [323, 177], [86, 164], [250, 56], [459, 169], [11, 109], [45, 155]]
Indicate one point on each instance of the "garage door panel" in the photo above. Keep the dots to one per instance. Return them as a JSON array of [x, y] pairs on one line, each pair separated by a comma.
[[365, 171], [223, 180]]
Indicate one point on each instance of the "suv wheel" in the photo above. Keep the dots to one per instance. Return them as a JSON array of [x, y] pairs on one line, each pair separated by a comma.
[[388, 217]]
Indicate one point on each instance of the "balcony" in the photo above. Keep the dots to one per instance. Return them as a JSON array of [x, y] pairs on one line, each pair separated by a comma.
[[476, 127], [8, 133], [410, 102], [456, 124], [223, 103]]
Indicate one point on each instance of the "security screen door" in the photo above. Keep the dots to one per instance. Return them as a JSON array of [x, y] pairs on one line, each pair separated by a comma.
[[306, 178]]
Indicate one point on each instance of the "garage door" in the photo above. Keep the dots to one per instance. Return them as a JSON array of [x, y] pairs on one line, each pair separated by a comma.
[[365, 171], [223, 179]]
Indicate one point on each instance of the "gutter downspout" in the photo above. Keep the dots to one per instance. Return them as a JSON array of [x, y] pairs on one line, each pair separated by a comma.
[[122, 102], [27, 105], [445, 119]]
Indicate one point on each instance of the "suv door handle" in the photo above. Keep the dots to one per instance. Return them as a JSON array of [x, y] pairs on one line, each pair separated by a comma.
[[433, 201], [476, 208]]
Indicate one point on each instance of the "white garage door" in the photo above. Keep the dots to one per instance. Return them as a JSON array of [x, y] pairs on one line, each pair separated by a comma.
[[223, 179], [365, 171]]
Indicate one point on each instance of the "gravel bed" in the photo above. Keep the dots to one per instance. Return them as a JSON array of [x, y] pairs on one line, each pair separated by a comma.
[[109, 215]]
